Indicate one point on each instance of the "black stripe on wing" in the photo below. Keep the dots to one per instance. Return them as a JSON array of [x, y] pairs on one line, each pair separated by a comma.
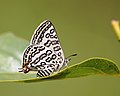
[[40, 31]]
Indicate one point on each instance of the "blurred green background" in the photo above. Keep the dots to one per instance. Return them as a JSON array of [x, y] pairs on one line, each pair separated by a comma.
[[83, 26]]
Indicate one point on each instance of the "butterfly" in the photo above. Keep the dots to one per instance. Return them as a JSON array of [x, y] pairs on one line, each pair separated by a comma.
[[44, 54]]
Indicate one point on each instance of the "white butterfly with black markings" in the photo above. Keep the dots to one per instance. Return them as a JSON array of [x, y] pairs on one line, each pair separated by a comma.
[[44, 54]]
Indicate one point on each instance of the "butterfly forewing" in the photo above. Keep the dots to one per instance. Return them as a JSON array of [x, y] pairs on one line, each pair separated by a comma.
[[39, 33], [44, 53]]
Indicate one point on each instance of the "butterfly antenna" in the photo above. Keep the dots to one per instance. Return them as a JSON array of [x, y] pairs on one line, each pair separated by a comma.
[[72, 55], [20, 70], [69, 57]]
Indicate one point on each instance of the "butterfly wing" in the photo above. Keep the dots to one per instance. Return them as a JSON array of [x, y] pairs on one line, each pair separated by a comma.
[[46, 35], [38, 35]]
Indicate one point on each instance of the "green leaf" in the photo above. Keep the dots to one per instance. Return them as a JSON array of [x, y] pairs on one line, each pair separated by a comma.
[[92, 66], [10, 60]]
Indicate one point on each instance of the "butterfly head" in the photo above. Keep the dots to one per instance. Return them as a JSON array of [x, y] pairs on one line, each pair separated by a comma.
[[25, 68]]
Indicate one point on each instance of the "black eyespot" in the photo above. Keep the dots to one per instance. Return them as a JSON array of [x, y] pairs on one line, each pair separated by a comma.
[[54, 56], [59, 54]]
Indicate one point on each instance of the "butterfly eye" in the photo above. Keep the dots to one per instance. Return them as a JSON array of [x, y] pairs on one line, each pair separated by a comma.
[[26, 63]]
